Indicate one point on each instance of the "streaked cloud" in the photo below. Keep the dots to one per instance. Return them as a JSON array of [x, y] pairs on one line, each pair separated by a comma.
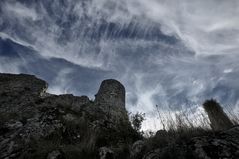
[[171, 53], [18, 10]]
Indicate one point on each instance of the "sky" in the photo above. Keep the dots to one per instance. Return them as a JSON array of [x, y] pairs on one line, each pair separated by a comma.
[[170, 53]]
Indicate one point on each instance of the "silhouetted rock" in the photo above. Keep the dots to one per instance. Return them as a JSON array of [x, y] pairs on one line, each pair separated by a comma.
[[152, 154], [218, 118], [55, 155], [21, 85], [35, 124], [222, 145]]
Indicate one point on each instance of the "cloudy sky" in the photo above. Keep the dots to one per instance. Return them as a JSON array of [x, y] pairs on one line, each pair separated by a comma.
[[170, 53]]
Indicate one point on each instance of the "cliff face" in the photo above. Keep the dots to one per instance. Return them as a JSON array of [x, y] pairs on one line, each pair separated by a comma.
[[35, 124]]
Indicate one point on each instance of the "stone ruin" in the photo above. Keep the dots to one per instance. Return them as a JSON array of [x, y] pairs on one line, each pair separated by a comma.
[[111, 93], [218, 118], [28, 117], [22, 83], [28, 113]]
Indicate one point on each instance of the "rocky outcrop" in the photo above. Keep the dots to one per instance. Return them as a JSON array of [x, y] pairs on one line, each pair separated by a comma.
[[35, 124], [21, 85], [222, 145], [177, 145]]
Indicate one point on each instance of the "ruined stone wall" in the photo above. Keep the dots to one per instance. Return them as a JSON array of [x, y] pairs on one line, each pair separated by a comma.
[[218, 118], [111, 93], [21, 84], [28, 115]]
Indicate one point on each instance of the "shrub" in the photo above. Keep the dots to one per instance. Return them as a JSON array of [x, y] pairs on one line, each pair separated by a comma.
[[136, 120]]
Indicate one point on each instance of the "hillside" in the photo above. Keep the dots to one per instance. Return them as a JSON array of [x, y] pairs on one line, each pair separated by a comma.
[[39, 125]]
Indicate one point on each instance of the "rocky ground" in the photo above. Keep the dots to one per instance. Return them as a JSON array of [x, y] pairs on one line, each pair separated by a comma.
[[38, 125]]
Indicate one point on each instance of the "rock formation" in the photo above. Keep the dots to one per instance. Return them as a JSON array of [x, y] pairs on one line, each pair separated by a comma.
[[218, 118], [216, 146], [111, 93], [35, 124]]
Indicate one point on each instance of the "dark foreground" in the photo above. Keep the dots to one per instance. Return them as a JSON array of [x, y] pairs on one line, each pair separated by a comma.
[[38, 125]]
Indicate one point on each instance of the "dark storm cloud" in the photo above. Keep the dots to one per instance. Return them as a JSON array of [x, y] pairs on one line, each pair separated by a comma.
[[170, 53]]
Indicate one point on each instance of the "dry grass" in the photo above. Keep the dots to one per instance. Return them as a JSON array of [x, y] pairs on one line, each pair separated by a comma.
[[178, 128]]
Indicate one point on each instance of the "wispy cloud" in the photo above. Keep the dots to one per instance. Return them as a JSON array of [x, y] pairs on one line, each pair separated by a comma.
[[61, 83], [208, 27], [170, 53], [18, 10]]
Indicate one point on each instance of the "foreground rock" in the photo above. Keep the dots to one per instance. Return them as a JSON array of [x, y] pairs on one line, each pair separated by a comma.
[[34, 124], [38, 125], [223, 145], [191, 145]]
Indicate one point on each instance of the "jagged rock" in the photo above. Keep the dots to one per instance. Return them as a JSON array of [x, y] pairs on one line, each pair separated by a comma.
[[21, 85], [222, 145], [55, 155], [161, 133], [106, 153], [152, 155], [33, 122], [111, 93], [137, 148]]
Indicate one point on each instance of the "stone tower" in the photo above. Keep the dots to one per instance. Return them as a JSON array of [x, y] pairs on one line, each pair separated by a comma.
[[218, 118], [111, 93]]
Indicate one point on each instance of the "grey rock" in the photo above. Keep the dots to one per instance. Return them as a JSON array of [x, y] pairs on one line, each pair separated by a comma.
[[152, 154], [34, 123], [111, 93], [21, 85], [69, 117], [32, 120], [54, 155], [137, 148], [67, 100], [223, 145], [106, 153]]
